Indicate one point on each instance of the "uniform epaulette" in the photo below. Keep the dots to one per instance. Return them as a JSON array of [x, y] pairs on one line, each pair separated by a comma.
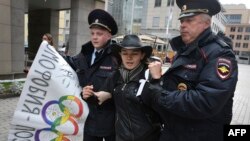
[[222, 43]]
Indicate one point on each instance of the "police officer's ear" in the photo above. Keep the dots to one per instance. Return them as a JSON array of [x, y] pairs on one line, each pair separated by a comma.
[[109, 35], [206, 19]]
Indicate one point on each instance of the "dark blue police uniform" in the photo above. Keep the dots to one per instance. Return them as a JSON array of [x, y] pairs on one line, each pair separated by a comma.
[[196, 96], [101, 119]]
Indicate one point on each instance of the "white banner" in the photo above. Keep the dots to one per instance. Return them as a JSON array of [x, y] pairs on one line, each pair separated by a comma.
[[50, 106]]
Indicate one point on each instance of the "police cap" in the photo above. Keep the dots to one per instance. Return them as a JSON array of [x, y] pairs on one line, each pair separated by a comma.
[[104, 19], [193, 7]]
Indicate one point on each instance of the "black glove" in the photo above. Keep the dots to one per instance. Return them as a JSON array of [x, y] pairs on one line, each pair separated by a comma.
[[150, 92]]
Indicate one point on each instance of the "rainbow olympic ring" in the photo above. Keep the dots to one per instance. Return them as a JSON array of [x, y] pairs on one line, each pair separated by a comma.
[[68, 116], [60, 136]]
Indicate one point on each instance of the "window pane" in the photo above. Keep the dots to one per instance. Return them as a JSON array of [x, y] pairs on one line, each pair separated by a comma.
[[247, 29], [157, 3], [232, 29], [156, 21], [234, 18], [240, 29], [245, 45]]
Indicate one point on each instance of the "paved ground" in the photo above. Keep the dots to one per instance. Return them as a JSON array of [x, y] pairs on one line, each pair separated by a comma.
[[6, 112], [241, 108]]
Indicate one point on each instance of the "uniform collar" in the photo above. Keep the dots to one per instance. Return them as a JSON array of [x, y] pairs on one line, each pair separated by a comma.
[[178, 45], [88, 48]]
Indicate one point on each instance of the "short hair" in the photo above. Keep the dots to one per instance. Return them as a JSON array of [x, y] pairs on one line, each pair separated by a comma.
[[99, 27], [205, 17]]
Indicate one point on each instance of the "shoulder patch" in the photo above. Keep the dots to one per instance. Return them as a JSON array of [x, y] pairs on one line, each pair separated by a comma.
[[224, 68]]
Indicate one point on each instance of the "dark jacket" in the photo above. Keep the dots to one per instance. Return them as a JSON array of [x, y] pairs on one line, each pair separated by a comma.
[[135, 121], [198, 112], [101, 118]]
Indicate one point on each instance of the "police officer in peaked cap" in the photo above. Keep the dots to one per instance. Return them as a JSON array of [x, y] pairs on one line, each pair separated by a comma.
[[193, 7], [93, 65], [99, 17], [195, 96]]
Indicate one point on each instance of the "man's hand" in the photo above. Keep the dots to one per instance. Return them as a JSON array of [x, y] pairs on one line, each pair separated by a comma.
[[155, 69], [87, 92], [102, 96]]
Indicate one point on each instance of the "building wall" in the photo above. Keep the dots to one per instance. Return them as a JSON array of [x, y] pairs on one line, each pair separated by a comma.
[[5, 37], [240, 32], [12, 36], [163, 13], [137, 16], [243, 34], [26, 30], [115, 8], [48, 22], [219, 22], [241, 9], [79, 27], [12, 25], [64, 25], [17, 35]]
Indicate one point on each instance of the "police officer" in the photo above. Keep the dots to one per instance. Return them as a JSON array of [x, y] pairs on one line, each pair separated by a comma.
[[93, 65], [195, 96]]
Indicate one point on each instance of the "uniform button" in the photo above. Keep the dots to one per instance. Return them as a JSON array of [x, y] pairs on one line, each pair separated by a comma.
[[135, 90], [161, 83]]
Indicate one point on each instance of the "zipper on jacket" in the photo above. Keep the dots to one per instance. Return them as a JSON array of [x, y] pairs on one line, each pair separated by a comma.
[[123, 87], [129, 119]]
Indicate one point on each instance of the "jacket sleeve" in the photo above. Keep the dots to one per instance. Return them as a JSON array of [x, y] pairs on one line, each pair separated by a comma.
[[206, 99], [70, 61], [108, 85]]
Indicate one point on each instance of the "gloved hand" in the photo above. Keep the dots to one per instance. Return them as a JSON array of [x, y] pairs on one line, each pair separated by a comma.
[[151, 91], [102, 96]]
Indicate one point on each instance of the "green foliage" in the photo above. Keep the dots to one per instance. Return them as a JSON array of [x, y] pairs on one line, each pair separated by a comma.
[[14, 87], [2, 88]]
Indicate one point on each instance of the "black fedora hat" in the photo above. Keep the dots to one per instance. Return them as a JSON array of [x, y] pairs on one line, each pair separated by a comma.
[[132, 42], [191, 8], [104, 19]]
